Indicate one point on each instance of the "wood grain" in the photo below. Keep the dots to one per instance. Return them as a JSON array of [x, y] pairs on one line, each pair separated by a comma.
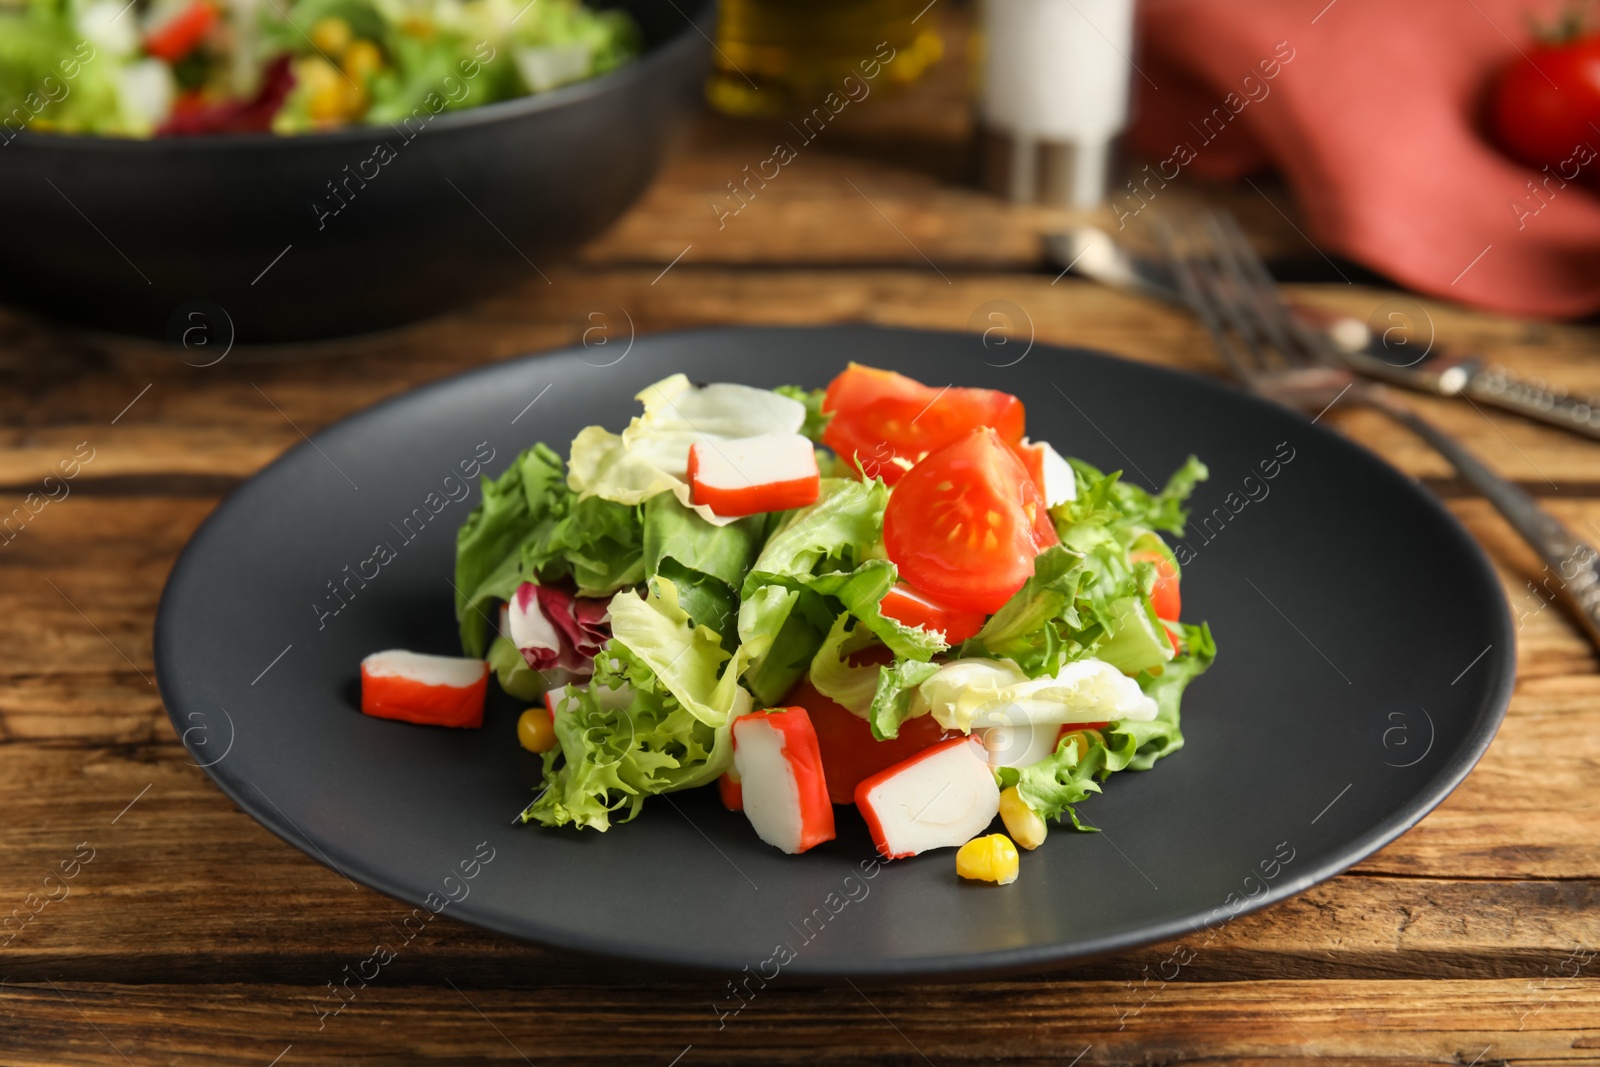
[[1451, 1021]]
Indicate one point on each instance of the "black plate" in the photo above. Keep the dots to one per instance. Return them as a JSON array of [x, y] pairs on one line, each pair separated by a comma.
[[209, 240], [1366, 660]]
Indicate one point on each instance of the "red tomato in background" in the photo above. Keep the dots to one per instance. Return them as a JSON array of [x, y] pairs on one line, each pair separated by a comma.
[[1164, 595], [965, 524], [850, 754], [880, 416], [1543, 105]]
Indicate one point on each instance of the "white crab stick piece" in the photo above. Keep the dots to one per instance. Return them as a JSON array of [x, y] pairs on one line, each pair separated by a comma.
[[773, 472], [942, 797], [415, 687], [1052, 474], [781, 786]]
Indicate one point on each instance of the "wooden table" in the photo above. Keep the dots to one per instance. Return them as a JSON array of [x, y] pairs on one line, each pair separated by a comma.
[[193, 936]]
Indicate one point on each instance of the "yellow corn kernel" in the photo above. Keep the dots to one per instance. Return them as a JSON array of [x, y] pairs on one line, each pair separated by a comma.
[[988, 859], [362, 60], [331, 36], [325, 87], [1084, 739], [535, 731], [1022, 822]]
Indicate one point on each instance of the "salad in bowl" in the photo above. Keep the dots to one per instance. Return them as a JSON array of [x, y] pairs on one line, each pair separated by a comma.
[[882, 595], [141, 68]]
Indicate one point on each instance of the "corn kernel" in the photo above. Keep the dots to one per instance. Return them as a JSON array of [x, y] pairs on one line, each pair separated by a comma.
[[331, 36], [535, 731], [1027, 829], [326, 89], [1084, 739], [362, 60], [988, 859]]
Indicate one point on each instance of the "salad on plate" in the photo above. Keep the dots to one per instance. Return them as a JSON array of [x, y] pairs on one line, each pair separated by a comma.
[[141, 68], [882, 594]]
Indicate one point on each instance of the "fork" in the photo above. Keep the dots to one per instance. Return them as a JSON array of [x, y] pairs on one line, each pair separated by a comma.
[[1279, 358]]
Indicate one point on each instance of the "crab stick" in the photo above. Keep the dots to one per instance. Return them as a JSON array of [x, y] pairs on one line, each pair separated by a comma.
[[774, 472], [1052, 474], [907, 604], [434, 690], [942, 797], [782, 788]]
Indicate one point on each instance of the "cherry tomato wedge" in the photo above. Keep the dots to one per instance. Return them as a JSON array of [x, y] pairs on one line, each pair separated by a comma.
[[1164, 595], [913, 607], [888, 421], [965, 524], [850, 754]]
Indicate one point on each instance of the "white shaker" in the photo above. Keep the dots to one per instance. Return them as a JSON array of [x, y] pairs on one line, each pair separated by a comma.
[[1056, 80]]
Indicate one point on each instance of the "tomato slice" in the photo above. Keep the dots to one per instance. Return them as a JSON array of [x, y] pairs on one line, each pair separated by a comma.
[[1164, 595], [889, 422], [850, 754], [965, 524], [913, 607]]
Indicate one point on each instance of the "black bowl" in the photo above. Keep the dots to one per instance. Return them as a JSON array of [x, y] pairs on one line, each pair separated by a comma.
[[241, 237]]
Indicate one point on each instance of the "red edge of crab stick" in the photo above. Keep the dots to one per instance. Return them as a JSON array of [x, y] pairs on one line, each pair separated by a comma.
[[912, 606], [731, 790], [432, 690], [942, 797], [774, 472], [781, 784], [1052, 474]]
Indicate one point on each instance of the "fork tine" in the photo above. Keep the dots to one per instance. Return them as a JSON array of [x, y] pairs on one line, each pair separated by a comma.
[[1257, 299], [1230, 293], [1238, 359], [1299, 344]]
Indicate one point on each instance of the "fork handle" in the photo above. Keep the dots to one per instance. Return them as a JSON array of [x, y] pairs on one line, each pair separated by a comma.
[[1571, 565], [1534, 400]]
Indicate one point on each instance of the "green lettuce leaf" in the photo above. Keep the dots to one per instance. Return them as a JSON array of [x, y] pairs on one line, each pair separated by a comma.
[[1053, 785], [706, 563], [1105, 499], [894, 701], [824, 558], [816, 419], [674, 732], [512, 671], [529, 526]]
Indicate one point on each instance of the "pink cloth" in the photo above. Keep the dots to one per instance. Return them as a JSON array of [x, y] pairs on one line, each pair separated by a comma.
[[1374, 117]]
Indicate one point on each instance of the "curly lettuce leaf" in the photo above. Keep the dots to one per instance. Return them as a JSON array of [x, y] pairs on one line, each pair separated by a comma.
[[895, 699], [674, 732], [1053, 785], [816, 419], [1105, 499], [529, 526]]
